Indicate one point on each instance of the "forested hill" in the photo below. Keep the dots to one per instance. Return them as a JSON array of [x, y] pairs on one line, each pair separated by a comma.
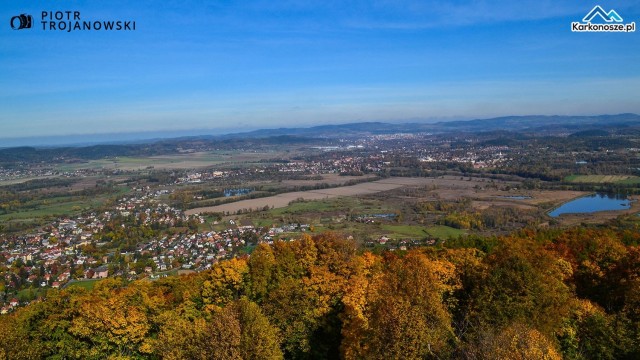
[[527, 124], [513, 126], [15, 155], [553, 294]]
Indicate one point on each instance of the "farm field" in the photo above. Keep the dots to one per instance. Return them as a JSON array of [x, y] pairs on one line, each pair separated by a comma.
[[283, 200], [39, 210], [601, 179], [171, 162], [444, 232], [331, 179], [485, 193], [331, 205], [23, 180]]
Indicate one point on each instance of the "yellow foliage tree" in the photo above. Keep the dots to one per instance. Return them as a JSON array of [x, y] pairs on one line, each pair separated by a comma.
[[398, 313], [224, 282], [519, 342], [115, 325]]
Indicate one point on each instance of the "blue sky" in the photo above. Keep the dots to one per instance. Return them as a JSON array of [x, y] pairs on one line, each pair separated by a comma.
[[220, 66]]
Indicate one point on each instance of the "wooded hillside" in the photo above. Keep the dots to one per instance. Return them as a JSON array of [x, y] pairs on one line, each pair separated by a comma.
[[553, 294]]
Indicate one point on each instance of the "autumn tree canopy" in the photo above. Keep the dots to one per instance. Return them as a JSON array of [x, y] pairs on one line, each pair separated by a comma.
[[550, 294]]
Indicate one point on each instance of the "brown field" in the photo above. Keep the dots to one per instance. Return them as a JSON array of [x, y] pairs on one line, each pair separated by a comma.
[[537, 199], [600, 178], [331, 179], [446, 188], [283, 200], [172, 162], [484, 193]]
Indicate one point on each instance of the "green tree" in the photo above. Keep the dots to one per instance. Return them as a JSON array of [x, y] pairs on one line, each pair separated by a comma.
[[522, 283], [261, 268]]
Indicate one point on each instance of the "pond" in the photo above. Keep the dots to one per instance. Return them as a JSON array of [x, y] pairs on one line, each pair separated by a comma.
[[236, 192], [593, 203], [516, 197]]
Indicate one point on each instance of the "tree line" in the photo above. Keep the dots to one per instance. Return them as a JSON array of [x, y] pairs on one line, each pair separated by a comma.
[[549, 294]]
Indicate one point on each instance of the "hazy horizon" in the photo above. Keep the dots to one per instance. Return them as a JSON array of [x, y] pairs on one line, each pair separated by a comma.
[[78, 140], [143, 136], [250, 65]]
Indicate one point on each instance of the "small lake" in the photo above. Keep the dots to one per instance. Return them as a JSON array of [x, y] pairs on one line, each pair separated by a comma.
[[236, 192], [593, 203]]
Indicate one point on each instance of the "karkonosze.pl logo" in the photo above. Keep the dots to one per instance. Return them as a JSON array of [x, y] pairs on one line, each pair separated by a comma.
[[68, 21], [613, 22]]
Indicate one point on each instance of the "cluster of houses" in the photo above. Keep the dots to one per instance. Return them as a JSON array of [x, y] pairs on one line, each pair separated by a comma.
[[197, 177], [12, 304], [55, 255], [199, 251], [38, 172], [371, 162], [480, 158]]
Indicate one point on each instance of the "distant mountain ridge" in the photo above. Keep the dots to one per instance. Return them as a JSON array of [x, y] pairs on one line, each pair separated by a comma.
[[529, 123], [540, 122], [508, 126], [28, 154]]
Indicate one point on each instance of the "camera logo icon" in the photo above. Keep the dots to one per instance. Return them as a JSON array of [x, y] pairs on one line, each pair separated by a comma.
[[22, 21]]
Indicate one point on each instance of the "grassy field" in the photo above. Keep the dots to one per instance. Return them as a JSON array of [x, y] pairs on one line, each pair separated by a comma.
[[179, 161], [44, 210], [87, 284], [341, 204], [30, 293], [35, 212], [393, 231], [632, 180], [22, 180], [411, 231], [602, 179], [314, 211], [283, 200], [309, 206], [133, 163], [337, 214], [444, 232], [419, 232]]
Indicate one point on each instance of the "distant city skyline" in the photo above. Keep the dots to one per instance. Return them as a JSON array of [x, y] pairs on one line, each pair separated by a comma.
[[257, 64]]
